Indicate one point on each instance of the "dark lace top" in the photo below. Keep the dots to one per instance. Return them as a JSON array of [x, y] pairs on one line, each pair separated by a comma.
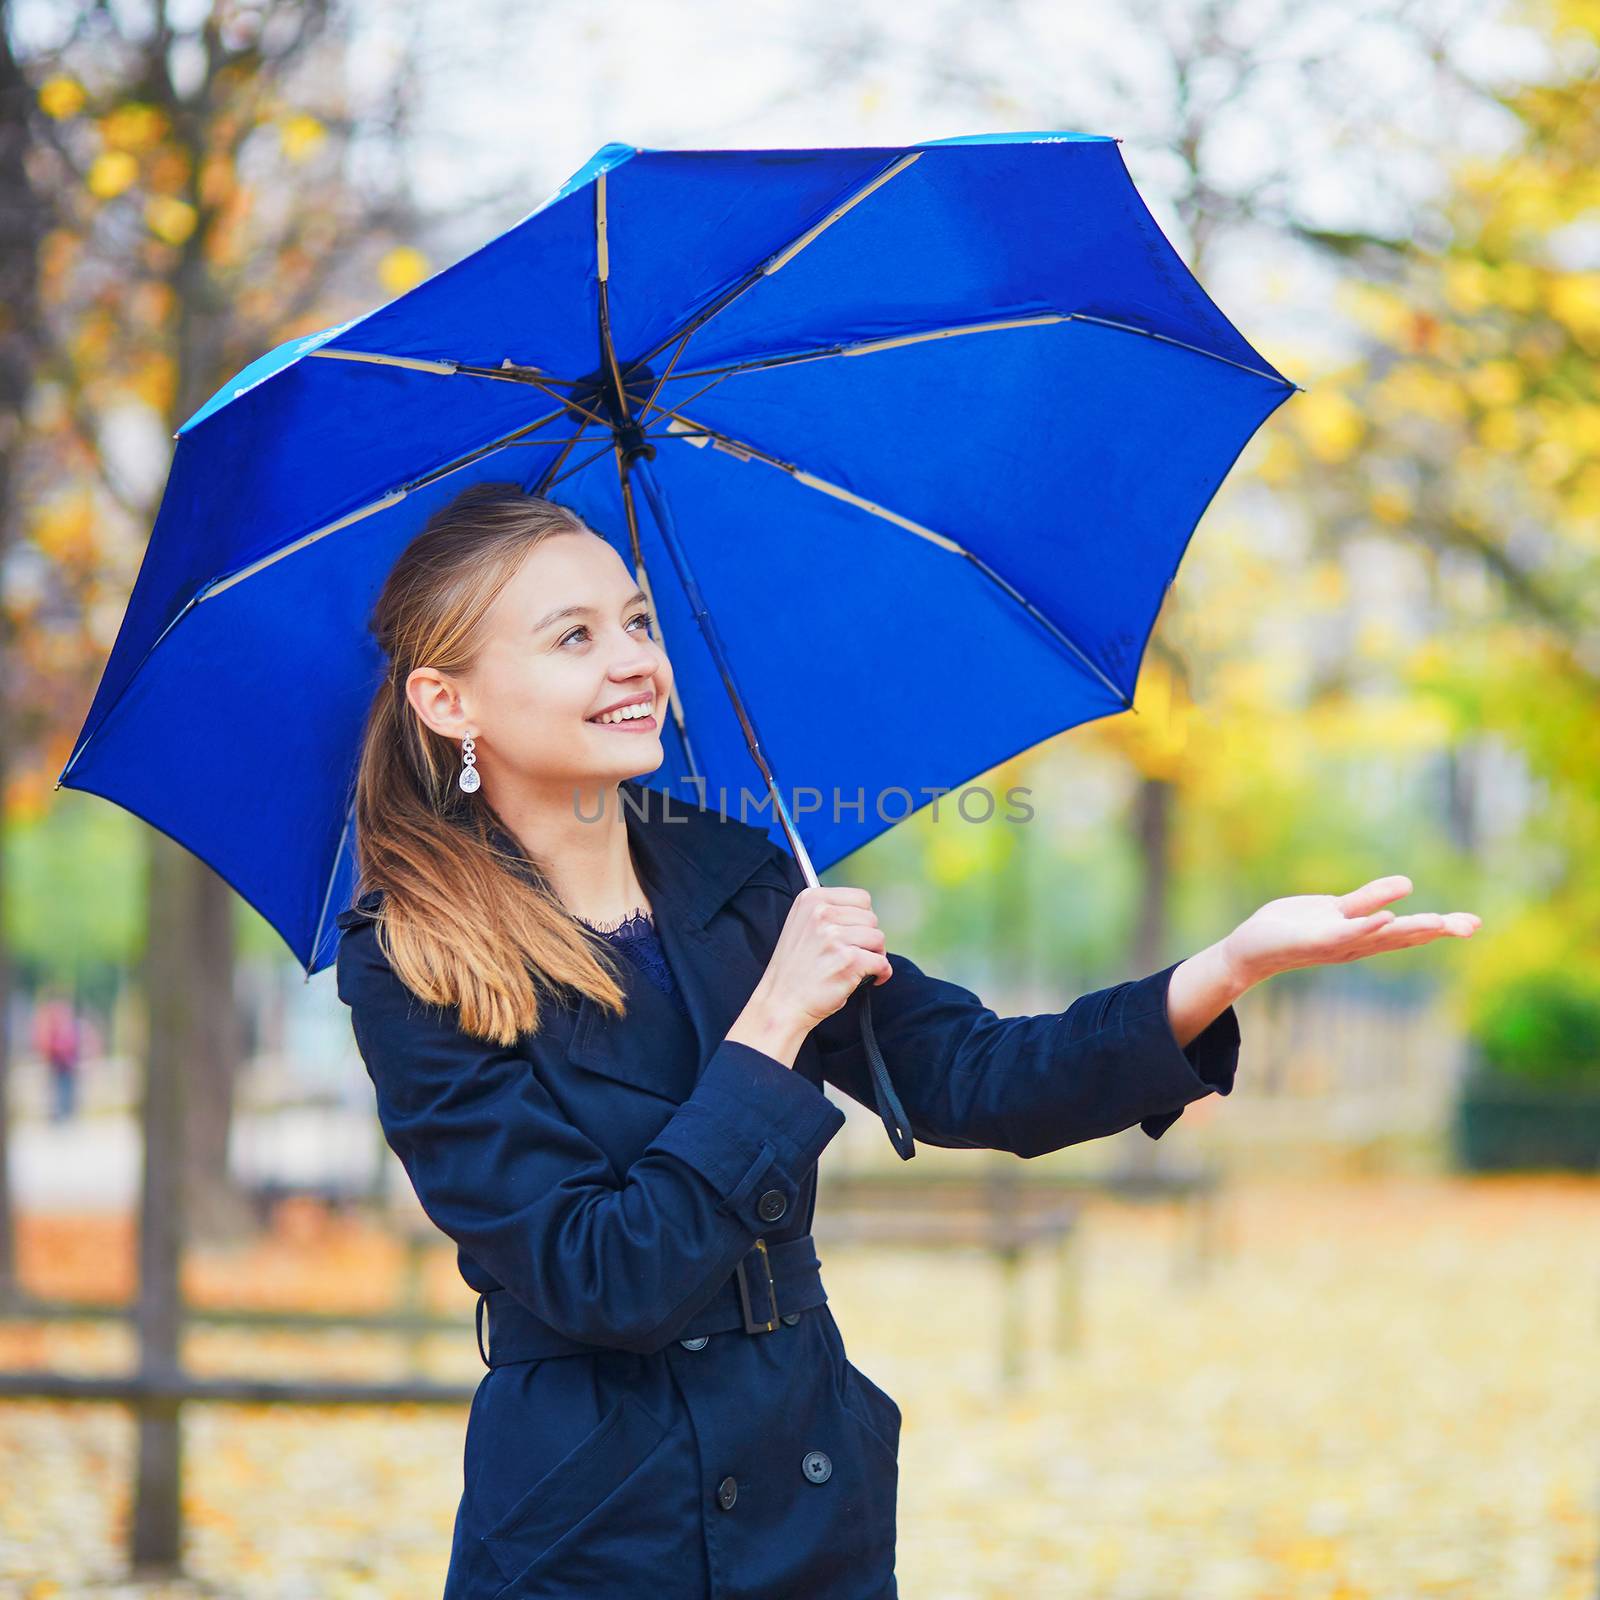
[[636, 937]]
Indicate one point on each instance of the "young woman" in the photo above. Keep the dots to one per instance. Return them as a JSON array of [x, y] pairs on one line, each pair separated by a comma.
[[599, 1024]]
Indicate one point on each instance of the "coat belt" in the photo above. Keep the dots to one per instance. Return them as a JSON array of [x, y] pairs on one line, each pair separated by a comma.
[[770, 1284]]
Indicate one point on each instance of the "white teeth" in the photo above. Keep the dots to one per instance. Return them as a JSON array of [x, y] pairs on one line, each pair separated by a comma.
[[627, 713]]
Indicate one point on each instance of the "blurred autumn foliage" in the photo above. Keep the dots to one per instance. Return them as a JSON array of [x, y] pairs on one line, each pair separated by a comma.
[[1383, 652], [212, 190], [1465, 439]]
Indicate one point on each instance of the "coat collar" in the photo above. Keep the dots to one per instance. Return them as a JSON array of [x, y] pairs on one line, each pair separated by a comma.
[[690, 859]]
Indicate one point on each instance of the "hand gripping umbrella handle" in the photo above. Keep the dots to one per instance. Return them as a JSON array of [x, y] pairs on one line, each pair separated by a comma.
[[889, 1107]]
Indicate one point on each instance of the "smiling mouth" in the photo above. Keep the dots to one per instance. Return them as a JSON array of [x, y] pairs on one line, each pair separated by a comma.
[[629, 719]]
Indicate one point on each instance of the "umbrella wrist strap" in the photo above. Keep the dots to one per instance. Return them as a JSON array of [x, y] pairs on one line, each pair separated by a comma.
[[889, 1107]]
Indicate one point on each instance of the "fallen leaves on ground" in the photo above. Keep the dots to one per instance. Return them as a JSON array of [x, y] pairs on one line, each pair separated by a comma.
[[1380, 1390]]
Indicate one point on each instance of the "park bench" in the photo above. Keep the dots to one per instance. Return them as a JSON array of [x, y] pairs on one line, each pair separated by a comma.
[[1009, 1217]]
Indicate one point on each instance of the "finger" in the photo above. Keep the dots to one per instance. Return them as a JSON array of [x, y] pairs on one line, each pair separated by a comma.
[[1388, 939], [838, 895], [852, 916], [1365, 900], [1351, 940], [1417, 922], [872, 964]]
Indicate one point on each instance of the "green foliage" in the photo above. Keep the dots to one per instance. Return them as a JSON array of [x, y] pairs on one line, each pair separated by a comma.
[[1541, 1027], [75, 887]]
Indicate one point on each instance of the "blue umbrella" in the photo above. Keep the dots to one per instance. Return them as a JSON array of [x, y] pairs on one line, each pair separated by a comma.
[[952, 411]]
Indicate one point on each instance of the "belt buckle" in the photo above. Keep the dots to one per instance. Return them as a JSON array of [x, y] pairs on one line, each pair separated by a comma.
[[766, 1294]]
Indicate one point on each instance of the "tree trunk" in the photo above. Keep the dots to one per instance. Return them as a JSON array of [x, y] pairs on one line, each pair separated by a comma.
[[22, 228], [1153, 806], [170, 1026], [218, 1212]]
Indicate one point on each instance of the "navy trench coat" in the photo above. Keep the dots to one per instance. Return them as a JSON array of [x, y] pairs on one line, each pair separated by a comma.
[[615, 1202]]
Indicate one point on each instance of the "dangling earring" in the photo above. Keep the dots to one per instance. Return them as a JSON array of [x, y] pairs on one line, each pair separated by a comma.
[[469, 771]]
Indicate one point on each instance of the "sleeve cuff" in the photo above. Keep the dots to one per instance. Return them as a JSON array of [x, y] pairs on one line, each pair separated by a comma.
[[753, 1128], [1206, 1065]]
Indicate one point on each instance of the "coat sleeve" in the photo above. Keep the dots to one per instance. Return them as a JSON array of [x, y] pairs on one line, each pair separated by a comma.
[[623, 1260], [970, 1079]]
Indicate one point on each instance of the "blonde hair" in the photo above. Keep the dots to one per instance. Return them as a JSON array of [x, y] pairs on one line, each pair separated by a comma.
[[460, 921]]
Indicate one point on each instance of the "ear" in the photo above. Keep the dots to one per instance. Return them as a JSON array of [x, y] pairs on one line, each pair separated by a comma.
[[437, 700]]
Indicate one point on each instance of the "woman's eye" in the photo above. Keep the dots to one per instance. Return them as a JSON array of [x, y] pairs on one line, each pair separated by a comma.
[[643, 616]]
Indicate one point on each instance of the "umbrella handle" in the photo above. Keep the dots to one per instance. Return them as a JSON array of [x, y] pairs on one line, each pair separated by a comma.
[[889, 1107]]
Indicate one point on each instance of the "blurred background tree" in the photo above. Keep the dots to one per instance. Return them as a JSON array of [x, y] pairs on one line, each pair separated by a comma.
[[214, 186]]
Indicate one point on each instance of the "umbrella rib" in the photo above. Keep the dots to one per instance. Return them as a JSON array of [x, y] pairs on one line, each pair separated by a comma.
[[327, 892], [555, 466], [508, 371], [572, 472], [749, 452], [393, 497], [444, 369], [958, 330], [675, 699], [779, 260]]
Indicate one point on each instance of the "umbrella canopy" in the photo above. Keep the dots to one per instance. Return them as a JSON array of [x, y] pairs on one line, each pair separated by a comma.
[[922, 434]]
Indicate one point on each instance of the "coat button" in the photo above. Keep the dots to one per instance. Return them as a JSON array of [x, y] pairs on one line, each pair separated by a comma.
[[727, 1493], [817, 1467], [696, 1344], [789, 1318], [771, 1205]]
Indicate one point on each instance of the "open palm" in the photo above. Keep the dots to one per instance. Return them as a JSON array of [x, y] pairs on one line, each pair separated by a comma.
[[1313, 930]]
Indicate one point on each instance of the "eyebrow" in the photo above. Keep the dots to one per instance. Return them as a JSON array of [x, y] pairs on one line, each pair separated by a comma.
[[583, 611]]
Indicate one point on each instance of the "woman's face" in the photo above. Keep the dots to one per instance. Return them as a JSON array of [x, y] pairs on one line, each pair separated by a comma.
[[567, 639]]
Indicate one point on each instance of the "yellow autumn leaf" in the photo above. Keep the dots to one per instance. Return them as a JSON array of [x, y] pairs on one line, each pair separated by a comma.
[[64, 526], [170, 219], [1467, 285], [110, 173], [1500, 431], [1579, 16], [1417, 390], [1496, 383], [60, 98], [1517, 286], [1277, 460], [154, 381], [1582, 509], [402, 268], [1580, 425], [1575, 301], [1391, 505], [92, 339], [301, 135], [133, 126], [1550, 461], [1330, 425], [1376, 308]]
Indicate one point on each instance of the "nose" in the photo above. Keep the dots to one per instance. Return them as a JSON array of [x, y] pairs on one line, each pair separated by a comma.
[[637, 656]]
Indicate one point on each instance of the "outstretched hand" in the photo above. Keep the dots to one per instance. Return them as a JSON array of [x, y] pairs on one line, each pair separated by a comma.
[[1313, 930]]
